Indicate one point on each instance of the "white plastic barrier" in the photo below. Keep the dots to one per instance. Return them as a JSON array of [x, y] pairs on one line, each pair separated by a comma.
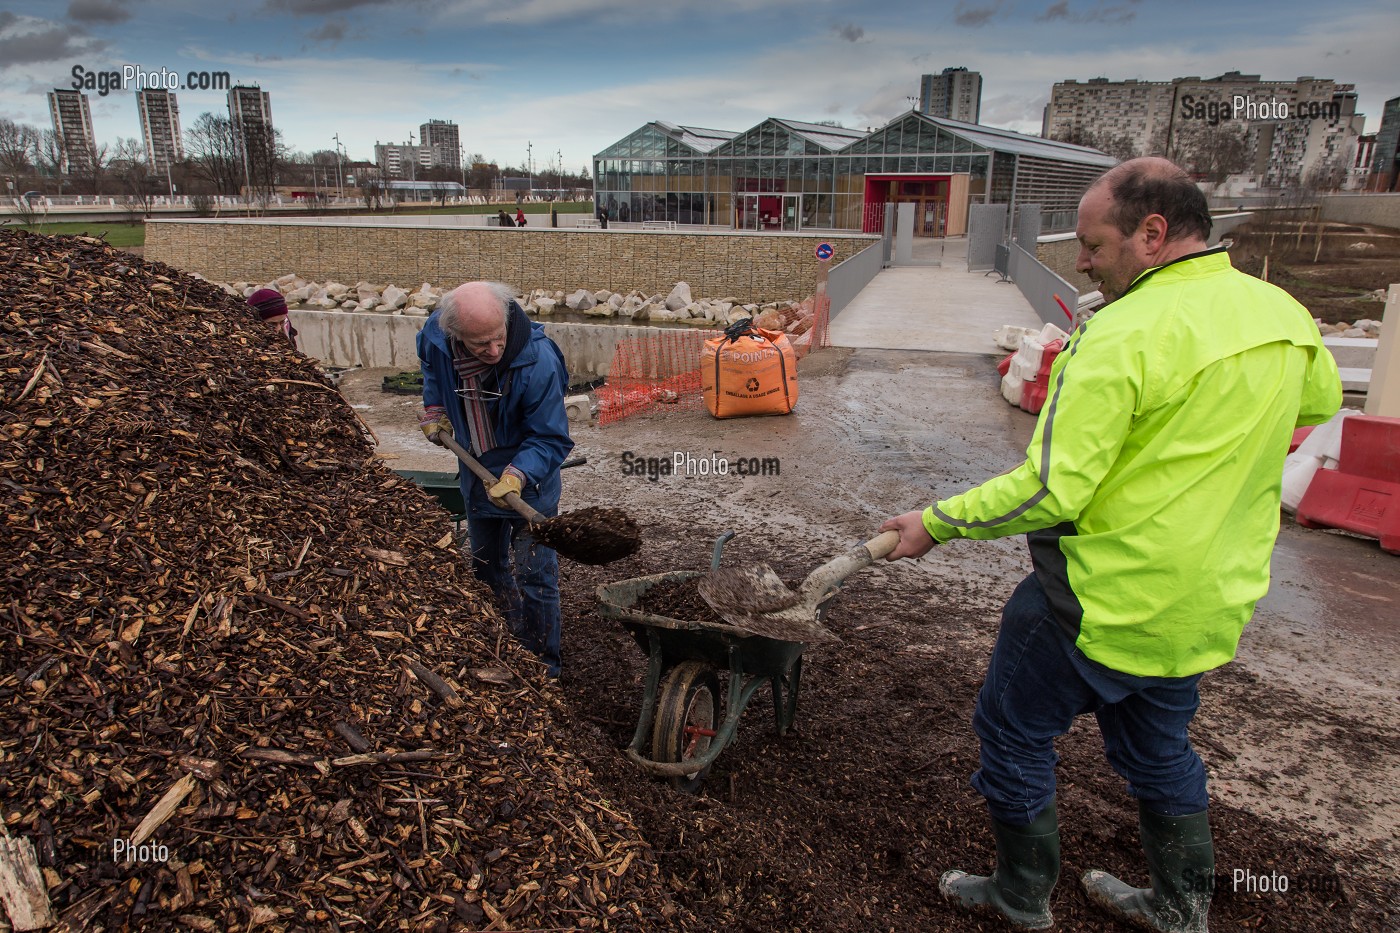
[[1319, 451]]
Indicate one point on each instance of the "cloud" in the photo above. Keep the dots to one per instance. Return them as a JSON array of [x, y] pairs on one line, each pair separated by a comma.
[[319, 7], [849, 31], [1117, 13], [51, 44], [99, 11], [975, 17], [7, 19], [332, 31]]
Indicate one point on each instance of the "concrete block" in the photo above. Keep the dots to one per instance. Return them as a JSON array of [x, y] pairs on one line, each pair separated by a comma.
[[579, 408]]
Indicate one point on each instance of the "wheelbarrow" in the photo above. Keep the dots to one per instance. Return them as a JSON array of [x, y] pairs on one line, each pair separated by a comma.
[[681, 696]]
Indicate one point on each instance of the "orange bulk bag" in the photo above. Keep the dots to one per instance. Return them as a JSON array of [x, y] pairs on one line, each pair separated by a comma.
[[749, 371]]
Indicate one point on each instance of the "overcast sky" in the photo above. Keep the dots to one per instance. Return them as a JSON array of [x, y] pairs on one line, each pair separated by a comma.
[[573, 76]]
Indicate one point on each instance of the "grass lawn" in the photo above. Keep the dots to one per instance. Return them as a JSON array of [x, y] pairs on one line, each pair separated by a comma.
[[119, 235]]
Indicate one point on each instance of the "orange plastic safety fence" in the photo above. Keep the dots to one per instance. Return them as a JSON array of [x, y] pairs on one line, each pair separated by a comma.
[[651, 372], [663, 370]]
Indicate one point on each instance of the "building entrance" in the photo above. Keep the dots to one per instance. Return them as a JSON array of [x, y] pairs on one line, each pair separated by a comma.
[[770, 211]]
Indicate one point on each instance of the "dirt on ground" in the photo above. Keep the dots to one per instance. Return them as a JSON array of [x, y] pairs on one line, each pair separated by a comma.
[[847, 821], [1333, 269]]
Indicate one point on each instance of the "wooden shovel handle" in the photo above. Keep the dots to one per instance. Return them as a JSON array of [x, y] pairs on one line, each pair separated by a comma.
[[485, 475], [881, 545]]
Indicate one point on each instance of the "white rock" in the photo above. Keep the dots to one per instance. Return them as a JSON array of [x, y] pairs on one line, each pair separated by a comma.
[[427, 289], [736, 315], [602, 295], [369, 304], [424, 302], [287, 279], [394, 297], [616, 301], [325, 304], [661, 314], [581, 300], [602, 310], [350, 305], [336, 289], [679, 297], [300, 294], [546, 305], [414, 312], [1354, 332]]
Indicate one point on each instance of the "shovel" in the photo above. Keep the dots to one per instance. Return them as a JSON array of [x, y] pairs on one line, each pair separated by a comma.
[[756, 600], [589, 536]]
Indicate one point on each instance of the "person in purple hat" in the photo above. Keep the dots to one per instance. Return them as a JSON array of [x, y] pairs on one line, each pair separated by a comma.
[[272, 309]]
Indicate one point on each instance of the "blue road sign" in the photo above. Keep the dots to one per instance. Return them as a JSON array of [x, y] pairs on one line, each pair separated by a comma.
[[825, 252]]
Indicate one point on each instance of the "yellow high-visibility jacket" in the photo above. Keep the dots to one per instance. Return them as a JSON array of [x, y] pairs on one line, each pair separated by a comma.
[[1150, 491]]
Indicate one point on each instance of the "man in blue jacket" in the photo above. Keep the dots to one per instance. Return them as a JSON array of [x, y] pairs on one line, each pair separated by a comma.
[[492, 377]]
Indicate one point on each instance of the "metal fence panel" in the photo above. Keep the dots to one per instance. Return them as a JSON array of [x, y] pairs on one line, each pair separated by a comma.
[[985, 223], [847, 280], [1040, 286]]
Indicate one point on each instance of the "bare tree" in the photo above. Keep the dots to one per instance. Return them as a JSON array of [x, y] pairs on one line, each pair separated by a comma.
[[213, 153], [52, 156], [1213, 153], [18, 142], [133, 175]]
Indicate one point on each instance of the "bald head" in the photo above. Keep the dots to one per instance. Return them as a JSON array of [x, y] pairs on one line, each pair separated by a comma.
[[1151, 185], [476, 314]]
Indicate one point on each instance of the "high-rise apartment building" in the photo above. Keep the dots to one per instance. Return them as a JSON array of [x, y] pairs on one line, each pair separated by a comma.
[[160, 128], [401, 160], [1385, 159], [72, 124], [1282, 131], [250, 109], [956, 94], [442, 142]]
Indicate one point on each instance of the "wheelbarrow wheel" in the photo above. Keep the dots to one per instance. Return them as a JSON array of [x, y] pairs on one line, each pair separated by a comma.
[[687, 717]]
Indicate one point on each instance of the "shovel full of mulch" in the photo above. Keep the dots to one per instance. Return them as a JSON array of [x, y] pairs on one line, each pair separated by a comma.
[[593, 535]]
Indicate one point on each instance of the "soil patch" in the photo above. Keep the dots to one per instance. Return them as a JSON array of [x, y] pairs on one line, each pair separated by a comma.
[[848, 821]]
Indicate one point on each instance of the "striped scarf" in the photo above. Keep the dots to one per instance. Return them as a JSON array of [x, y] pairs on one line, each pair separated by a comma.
[[471, 372]]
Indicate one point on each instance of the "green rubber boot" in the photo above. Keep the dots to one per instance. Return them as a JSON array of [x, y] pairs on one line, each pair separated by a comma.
[[1181, 867], [1028, 865]]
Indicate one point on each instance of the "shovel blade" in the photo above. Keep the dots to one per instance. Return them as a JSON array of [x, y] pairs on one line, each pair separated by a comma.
[[746, 591]]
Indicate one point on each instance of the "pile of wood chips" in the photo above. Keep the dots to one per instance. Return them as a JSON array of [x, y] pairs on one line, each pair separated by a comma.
[[246, 678]]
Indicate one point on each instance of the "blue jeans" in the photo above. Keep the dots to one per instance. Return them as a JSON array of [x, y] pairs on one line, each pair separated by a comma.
[[1038, 682], [529, 592]]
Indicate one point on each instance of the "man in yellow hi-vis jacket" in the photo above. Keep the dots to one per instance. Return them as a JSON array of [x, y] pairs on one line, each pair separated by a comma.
[[1150, 501]]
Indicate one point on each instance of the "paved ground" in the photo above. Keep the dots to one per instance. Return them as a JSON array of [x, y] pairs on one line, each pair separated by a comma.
[[932, 304]]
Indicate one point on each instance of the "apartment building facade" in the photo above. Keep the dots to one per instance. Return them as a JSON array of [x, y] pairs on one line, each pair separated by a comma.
[[72, 125], [955, 94], [159, 113]]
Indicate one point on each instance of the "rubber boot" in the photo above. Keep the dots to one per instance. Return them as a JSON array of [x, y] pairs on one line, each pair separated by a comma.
[[1028, 865], [1181, 866]]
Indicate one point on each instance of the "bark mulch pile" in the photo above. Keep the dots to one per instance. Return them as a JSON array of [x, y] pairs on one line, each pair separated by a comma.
[[246, 680]]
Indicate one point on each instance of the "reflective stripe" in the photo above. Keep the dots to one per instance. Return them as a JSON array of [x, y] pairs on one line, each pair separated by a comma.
[[1044, 472]]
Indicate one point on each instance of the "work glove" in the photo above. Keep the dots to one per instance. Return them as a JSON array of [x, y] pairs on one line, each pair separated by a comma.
[[433, 420], [512, 480]]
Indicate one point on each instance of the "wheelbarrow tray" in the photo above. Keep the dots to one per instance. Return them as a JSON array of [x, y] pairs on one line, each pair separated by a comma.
[[750, 659], [446, 488]]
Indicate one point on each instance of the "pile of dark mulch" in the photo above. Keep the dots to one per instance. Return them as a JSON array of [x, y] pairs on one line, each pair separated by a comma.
[[231, 635], [593, 535], [677, 599], [847, 823]]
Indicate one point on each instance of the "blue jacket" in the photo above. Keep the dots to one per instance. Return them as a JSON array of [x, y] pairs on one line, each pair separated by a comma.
[[532, 430]]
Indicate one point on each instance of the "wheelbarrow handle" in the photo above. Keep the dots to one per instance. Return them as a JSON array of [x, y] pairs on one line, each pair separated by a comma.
[[486, 476]]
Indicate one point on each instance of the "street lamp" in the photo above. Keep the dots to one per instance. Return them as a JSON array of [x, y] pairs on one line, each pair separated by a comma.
[[339, 172]]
